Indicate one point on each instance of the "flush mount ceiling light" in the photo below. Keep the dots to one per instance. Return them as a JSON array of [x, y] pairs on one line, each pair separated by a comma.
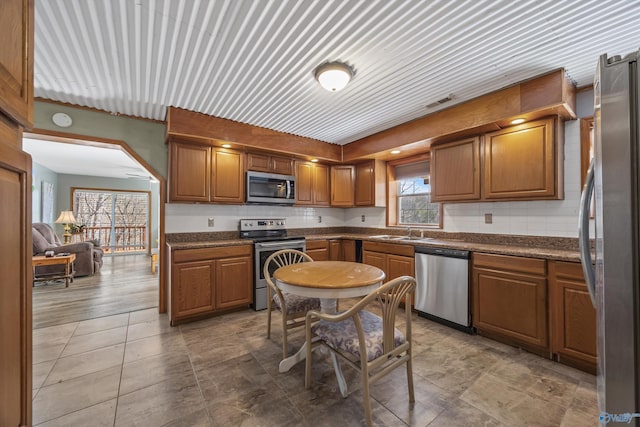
[[334, 76], [517, 121]]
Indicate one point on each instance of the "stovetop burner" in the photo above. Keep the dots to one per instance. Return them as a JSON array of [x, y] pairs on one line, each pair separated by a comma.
[[265, 230]]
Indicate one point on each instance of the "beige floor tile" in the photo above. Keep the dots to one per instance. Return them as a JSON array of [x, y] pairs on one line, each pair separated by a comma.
[[77, 365], [161, 403], [461, 414], [40, 372], [100, 415], [575, 418], [147, 315], [153, 345], [54, 334], [155, 369], [60, 399], [141, 330], [197, 419], [511, 406], [586, 399], [47, 352], [95, 340], [102, 324]]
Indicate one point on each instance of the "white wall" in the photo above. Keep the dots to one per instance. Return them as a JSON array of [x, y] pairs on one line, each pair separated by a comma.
[[540, 218]]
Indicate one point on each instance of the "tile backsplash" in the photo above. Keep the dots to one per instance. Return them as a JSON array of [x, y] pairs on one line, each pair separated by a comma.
[[530, 218]]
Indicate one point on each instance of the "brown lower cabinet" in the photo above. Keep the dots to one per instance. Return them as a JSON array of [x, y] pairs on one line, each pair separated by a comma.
[[510, 300], [573, 317], [209, 280], [395, 260]]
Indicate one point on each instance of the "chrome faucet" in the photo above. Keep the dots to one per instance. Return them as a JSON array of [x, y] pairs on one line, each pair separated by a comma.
[[409, 232]]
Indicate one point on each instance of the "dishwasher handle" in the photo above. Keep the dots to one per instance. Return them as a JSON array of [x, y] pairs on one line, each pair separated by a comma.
[[449, 253]]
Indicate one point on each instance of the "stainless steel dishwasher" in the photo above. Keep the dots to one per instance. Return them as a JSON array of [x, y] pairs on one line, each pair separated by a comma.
[[442, 293]]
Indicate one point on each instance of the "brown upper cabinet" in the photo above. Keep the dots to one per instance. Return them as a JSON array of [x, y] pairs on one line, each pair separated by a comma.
[[521, 162], [371, 184], [342, 185], [201, 173], [455, 171], [262, 162], [312, 184]]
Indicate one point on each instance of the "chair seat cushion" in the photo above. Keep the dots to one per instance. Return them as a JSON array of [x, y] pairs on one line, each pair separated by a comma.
[[296, 303], [343, 336]]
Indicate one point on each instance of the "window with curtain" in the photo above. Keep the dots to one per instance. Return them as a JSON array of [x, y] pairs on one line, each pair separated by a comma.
[[413, 195], [118, 219]]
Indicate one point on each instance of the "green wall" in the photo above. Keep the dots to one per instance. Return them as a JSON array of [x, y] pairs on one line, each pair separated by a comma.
[[146, 138]]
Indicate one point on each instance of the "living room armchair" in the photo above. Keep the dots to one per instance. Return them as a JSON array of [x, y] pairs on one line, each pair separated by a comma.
[[88, 254]]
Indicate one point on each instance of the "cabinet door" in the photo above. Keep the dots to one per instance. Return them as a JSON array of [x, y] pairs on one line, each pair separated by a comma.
[[228, 176], [190, 173], [335, 250], [318, 249], [192, 289], [304, 183], [16, 62], [349, 250], [399, 266], [342, 185], [258, 162], [573, 317], [321, 185], [522, 162], [233, 282], [281, 165], [364, 186], [512, 305], [375, 259], [455, 171]]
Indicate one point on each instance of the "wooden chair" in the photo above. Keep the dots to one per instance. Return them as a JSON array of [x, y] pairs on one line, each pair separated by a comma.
[[368, 342], [293, 307]]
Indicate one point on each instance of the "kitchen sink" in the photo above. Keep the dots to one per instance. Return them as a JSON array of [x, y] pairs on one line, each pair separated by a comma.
[[390, 237]]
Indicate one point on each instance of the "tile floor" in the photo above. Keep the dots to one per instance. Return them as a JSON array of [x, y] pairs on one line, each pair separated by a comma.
[[134, 369]]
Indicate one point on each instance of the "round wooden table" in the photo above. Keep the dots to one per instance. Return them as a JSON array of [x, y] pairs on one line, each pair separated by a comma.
[[327, 280]]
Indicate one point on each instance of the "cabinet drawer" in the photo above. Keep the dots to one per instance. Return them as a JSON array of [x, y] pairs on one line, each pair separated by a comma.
[[186, 255], [317, 244], [388, 248], [511, 263]]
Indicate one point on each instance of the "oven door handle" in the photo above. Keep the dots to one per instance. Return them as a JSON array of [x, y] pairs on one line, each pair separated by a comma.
[[286, 244]]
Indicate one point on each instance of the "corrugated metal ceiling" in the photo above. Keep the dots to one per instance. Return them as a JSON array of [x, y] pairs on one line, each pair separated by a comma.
[[253, 60]]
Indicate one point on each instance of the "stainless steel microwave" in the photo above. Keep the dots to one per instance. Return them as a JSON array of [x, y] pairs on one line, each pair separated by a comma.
[[271, 188]]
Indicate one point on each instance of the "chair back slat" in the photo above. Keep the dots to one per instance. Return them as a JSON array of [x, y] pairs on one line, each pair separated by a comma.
[[390, 295]]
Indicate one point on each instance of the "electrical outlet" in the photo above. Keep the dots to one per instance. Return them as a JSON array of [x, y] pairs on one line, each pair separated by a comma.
[[210, 222], [488, 218], [362, 218], [319, 218]]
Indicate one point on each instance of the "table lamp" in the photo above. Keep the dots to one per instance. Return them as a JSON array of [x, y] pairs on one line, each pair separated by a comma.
[[66, 218]]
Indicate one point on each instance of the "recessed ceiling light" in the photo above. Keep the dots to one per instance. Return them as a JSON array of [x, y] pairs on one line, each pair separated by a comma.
[[226, 145], [517, 121], [314, 160], [395, 151]]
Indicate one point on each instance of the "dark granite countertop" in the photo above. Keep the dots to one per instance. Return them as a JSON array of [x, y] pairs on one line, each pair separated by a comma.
[[553, 248]]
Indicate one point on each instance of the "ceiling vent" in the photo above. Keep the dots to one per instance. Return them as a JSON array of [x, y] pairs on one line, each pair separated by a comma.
[[440, 101]]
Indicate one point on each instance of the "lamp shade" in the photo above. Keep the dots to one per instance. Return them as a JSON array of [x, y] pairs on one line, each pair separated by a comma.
[[334, 76], [66, 217]]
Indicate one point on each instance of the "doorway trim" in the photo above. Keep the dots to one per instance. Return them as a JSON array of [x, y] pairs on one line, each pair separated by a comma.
[[71, 138]]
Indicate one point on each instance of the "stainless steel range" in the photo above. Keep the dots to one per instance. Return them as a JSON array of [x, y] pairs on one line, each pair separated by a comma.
[[269, 236]]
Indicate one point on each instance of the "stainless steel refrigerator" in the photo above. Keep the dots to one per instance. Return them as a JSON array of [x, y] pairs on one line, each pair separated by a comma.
[[614, 178]]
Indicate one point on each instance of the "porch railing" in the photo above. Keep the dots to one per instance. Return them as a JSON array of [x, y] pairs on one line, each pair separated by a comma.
[[123, 239]]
